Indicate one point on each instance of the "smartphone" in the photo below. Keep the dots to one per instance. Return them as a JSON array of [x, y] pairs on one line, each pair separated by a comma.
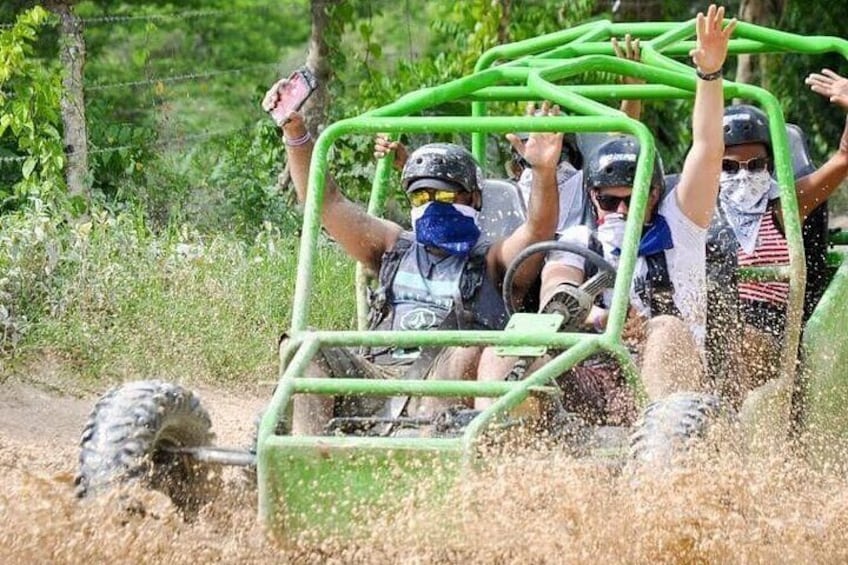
[[300, 85]]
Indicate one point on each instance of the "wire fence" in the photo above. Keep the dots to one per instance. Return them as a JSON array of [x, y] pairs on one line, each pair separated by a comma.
[[181, 78], [184, 20]]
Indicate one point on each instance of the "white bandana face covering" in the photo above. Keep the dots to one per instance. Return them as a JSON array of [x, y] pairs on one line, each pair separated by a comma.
[[611, 230], [744, 197]]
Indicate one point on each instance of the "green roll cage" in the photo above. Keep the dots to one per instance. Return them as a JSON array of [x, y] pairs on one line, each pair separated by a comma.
[[523, 71]]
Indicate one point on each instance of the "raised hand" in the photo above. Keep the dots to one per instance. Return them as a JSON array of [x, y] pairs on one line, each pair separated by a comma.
[[271, 99], [711, 50], [630, 52], [382, 147], [542, 148], [830, 85]]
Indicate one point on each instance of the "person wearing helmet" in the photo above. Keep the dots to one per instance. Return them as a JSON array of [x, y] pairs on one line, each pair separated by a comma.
[[441, 275], [749, 205], [668, 292], [572, 202]]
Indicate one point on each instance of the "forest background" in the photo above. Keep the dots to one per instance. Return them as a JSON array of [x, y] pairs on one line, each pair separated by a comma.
[[147, 223]]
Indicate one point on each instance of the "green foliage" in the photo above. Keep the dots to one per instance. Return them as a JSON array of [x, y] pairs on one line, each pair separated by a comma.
[[784, 76], [170, 88], [117, 302], [31, 154], [254, 200], [375, 63]]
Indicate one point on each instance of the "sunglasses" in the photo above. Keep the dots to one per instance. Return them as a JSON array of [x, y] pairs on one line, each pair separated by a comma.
[[610, 203], [423, 196], [755, 165]]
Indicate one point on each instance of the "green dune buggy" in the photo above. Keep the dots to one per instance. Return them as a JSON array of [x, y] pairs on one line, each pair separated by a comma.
[[159, 432]]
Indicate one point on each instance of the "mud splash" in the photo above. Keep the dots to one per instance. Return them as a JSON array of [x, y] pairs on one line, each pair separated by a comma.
[[537, 510]]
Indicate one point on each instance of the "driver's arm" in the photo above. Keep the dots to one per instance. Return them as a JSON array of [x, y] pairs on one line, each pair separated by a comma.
[[364, 237], [542, 153], [554, 274]]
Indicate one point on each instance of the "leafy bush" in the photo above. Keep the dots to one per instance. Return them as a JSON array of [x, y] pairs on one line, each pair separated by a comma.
[[31, 153], [118, 301]]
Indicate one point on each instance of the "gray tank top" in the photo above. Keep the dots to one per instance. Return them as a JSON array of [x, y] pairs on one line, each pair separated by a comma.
[[424, 289]]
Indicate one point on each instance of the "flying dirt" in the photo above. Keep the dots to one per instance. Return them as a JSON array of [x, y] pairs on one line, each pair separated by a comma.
[[539, 508]]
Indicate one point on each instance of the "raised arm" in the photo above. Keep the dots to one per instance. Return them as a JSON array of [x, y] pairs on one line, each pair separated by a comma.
[[383, 146], [542, 152], [630, 51], [699, 181], [364, 237], [817, 187]]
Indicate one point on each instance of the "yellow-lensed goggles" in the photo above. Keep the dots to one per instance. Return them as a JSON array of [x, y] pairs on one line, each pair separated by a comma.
[[425, 195]]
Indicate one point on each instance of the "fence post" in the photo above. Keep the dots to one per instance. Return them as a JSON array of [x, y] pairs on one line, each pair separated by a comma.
[[72, 57]]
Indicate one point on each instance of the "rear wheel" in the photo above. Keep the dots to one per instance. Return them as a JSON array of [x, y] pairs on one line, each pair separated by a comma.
[[130, 437], [670, 426]]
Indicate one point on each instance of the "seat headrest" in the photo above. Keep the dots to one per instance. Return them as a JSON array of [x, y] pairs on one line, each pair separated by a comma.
[[802, 164], [503, 209]]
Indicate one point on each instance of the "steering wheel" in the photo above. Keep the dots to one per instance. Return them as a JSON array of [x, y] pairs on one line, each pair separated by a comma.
[[581, 297]]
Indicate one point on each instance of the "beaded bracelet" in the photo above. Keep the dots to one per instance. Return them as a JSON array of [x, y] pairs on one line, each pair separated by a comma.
[[708, 76], [299, 141]]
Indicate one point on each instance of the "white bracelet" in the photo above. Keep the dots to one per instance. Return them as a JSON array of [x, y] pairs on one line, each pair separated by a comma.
[[299, 141]]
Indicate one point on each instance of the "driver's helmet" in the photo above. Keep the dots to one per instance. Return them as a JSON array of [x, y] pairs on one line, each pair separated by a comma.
[[745, 124], [441, 165], [613, 163], [570, 151]]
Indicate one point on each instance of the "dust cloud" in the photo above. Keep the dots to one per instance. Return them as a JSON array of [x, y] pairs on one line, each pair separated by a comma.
[[531, 508]]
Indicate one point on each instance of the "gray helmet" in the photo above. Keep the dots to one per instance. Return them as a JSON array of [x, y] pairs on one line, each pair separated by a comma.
[[745, 124], [441, 165], [613, 163]]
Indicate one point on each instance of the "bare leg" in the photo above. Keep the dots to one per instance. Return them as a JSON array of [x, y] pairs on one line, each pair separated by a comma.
[[670, 360], [454, 363], [492, 368]]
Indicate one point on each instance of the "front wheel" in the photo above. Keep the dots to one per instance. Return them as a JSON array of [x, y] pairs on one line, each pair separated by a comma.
[[670, 426], [131, 435]]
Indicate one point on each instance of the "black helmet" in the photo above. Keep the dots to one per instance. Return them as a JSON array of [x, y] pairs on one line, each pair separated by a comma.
[[745, 124], [570, 151], [613, 163], [441, 165]]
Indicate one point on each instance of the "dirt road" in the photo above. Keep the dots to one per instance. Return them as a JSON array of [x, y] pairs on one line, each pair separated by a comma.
[[536, 510]]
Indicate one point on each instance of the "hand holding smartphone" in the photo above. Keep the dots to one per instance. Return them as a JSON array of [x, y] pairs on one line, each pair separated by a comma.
[[288, 95]]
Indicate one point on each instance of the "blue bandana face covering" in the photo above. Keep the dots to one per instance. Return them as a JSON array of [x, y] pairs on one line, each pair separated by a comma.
[[450, 227]]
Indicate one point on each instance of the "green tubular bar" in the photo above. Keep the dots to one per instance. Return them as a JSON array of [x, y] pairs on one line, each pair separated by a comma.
[[371, 124], [765, 274], [433, 388], [839, 238], [289, 468]]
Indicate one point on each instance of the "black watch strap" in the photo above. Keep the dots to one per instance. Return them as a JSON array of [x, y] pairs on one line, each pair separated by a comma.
[[708, 76]]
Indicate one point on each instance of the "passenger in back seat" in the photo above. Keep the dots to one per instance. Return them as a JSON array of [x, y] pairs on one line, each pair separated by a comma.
[[572, 199], [749, 205], [668, 293]]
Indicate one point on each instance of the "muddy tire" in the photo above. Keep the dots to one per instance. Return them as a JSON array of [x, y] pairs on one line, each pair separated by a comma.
[[128, 436], [670, 426]]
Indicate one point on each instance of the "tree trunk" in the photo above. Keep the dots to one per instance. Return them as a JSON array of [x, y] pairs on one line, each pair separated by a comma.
[[749, 65], [72, 57], [503, 22], [315, 109]]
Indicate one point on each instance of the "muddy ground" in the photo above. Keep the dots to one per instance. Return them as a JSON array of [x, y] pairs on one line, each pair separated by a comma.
[[532, 509]]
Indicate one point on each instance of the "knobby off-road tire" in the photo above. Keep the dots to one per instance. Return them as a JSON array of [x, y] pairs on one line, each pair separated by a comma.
[[670, 426], [127, 437]]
